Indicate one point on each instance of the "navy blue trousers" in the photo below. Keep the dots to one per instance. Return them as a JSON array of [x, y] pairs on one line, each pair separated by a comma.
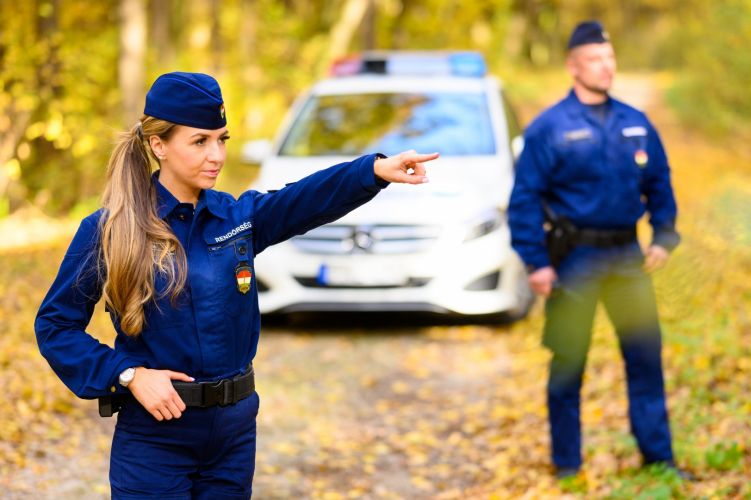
[[208, 453], [614, 277]]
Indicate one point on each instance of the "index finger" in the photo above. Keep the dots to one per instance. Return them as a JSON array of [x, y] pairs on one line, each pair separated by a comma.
[[418, 157], [179, 376]]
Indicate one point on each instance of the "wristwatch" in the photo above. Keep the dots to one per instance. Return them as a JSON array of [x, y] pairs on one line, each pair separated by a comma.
[[126, 377]]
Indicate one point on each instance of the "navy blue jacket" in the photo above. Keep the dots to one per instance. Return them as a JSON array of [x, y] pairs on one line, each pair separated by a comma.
[[599, 175], [212, 331]]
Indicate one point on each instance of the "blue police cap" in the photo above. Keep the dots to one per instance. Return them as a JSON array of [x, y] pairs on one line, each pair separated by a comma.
[[191, 99], [588, 32]]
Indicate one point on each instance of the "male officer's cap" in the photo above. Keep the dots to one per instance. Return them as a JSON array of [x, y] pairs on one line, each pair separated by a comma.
[[191, 99], [588, 32]]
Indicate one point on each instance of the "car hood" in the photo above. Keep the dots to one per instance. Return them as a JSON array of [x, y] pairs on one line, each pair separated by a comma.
[[460, 188]]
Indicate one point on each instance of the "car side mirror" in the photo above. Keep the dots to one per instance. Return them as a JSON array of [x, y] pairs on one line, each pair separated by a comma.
[[517, 146], [255, 152]]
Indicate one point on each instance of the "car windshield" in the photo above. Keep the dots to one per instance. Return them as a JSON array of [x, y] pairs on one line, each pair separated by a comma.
[[454, 124]]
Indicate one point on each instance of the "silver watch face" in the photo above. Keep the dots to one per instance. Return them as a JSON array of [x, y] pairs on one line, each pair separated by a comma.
[[127, 376]]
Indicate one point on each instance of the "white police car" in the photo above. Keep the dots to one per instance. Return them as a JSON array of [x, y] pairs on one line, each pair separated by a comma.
[[441, 247]]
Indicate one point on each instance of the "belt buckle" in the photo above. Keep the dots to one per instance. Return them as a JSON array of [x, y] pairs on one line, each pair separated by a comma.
[[223, 393]]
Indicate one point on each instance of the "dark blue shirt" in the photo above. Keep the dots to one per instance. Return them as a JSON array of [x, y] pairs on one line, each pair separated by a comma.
[[212, 331], [600, 111], [599, 174]]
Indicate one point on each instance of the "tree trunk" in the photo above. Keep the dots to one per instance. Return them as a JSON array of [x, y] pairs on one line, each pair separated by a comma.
[[49, 90], [352, 17], [216, 38], [248, 30], [132, 58], [161, 36], [369, 27]]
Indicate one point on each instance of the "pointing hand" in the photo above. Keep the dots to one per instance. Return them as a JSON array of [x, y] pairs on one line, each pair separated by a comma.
[[407, 167]]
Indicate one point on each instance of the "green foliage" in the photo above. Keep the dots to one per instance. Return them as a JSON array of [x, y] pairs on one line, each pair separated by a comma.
[[61, 104], [573, 484], [724, 456], [712, 92], [655, 482], [56, 87]]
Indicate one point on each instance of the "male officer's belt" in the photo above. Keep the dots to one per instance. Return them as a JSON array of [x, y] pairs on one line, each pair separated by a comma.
[[604, 237], [223, 392]]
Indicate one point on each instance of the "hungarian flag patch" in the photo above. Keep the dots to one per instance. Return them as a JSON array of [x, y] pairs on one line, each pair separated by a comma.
[[244, 276]]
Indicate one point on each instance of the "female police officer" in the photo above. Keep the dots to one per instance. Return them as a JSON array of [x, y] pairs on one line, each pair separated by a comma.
[[173, 260]]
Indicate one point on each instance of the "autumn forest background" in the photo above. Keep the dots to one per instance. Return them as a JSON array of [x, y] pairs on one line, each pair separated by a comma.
[[74, 73]]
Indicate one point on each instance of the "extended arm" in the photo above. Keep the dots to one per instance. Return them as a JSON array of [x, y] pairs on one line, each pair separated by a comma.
[[330, 194]]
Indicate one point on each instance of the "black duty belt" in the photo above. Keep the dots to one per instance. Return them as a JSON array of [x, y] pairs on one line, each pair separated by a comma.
[[223, 392], [604, 237]]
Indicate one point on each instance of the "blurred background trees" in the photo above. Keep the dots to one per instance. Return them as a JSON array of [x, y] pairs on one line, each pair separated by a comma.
[[73, 73]]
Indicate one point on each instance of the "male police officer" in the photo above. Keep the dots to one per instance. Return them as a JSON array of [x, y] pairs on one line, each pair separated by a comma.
[[591, 167]]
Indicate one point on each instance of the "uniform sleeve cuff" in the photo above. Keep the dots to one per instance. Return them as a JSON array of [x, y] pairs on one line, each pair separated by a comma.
[[379, 182], [537, 263], [667, 239], [369, 180], [123, 364]]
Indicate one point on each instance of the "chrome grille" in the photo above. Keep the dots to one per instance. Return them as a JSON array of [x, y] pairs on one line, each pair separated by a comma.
[[340, 239]]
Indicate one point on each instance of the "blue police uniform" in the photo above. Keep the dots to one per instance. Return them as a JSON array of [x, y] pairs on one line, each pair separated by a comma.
[[210, 333], [603, 174]]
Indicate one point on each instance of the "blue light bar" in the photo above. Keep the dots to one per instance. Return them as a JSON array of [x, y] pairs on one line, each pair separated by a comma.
[[465, 64], [417, 64]]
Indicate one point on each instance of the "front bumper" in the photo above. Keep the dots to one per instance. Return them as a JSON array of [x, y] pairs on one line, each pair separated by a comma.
[[443, 280]]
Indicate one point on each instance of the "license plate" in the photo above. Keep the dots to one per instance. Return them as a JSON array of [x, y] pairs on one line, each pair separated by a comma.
[[360, 276]]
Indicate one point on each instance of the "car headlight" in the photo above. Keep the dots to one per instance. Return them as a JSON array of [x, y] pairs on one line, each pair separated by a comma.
[[485, 224]]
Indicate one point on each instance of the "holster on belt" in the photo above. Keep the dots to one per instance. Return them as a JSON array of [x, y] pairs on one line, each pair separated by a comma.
[[560, 235]]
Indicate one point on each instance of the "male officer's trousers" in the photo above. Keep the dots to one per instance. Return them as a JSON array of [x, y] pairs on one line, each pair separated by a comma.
[[207, 453], [614, 277]]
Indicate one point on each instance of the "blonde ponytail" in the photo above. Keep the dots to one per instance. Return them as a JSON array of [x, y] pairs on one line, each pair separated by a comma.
[[136, 244]]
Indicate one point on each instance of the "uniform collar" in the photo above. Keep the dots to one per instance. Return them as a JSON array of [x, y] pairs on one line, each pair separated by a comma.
[[166, 201], [575, 108], [214, 203]]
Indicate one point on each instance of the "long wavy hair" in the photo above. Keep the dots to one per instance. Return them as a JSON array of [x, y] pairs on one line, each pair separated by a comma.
[[136, 243]]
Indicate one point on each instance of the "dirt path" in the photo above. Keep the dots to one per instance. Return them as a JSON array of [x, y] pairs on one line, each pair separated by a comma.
[[394, 411]]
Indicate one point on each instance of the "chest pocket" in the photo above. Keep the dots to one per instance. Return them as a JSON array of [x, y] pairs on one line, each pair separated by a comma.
[[579, 154], [233, 272], [634, 145]]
